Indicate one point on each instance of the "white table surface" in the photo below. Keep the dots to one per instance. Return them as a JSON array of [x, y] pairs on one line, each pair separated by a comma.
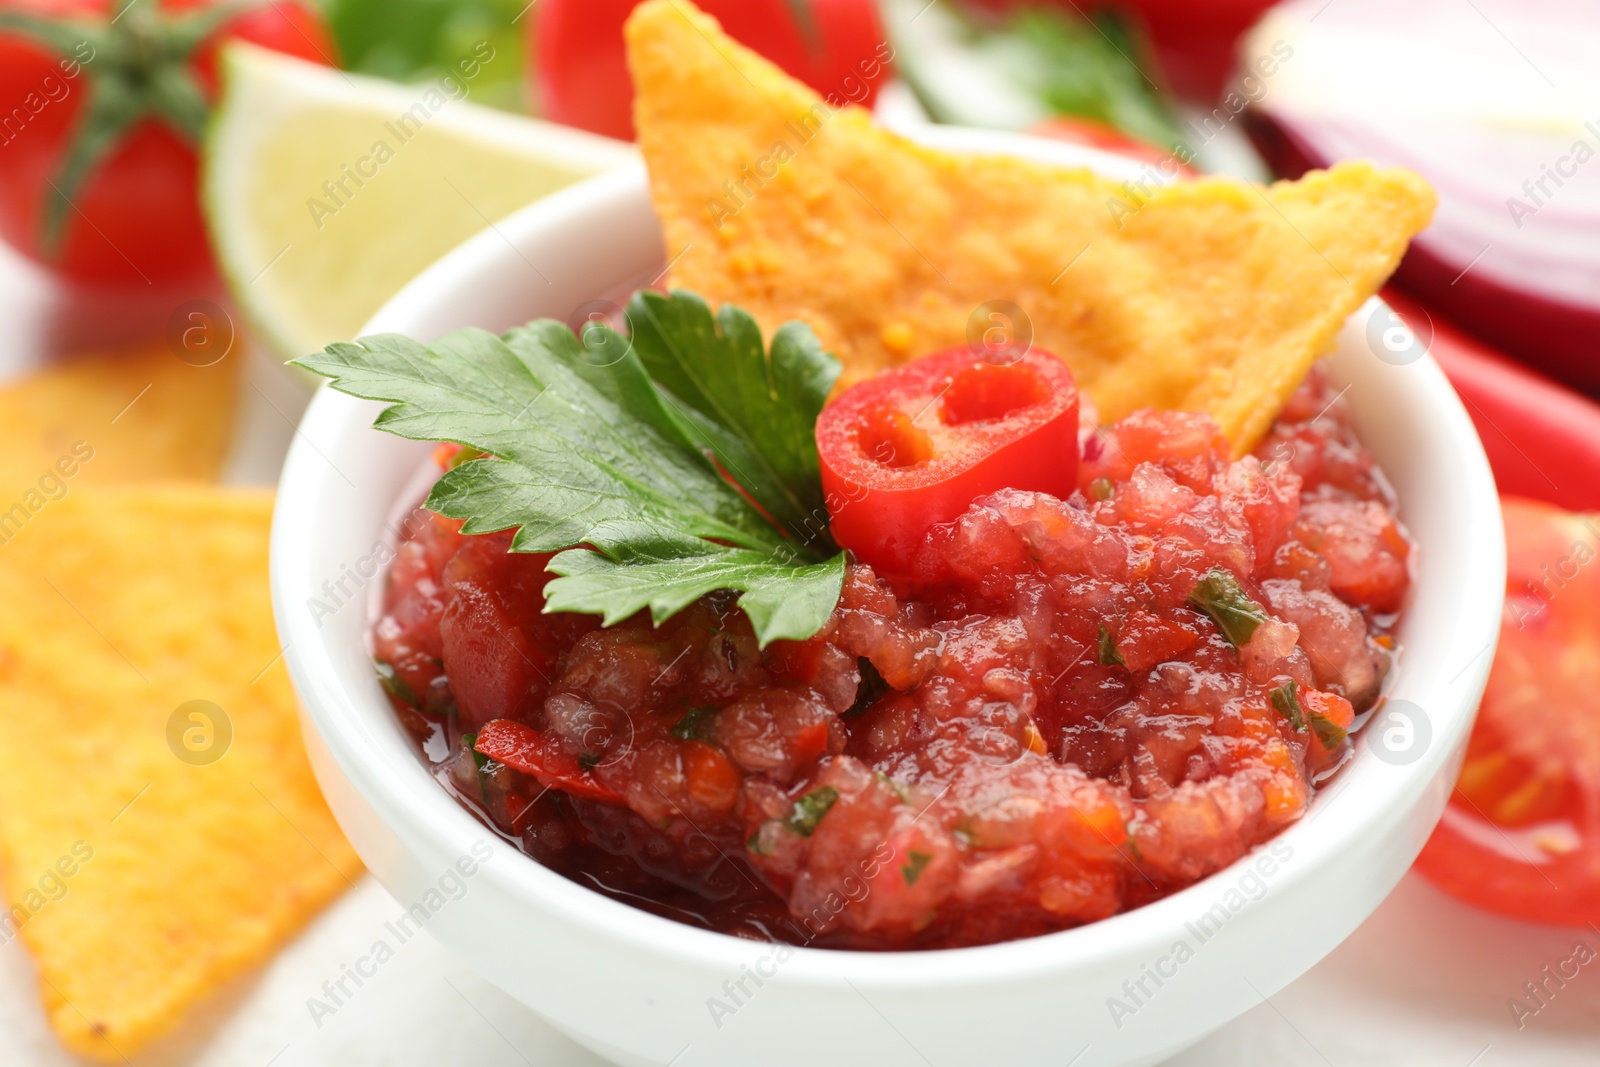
[[1425, 982]]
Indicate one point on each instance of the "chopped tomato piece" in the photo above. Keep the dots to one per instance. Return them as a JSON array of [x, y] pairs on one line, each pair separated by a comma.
[[713, 779], [494, 635], [406, 641], [913, 448], [522, 748], [1145, 640], [1522, 833], [1328, 718], [1363, 545], [496, 670]]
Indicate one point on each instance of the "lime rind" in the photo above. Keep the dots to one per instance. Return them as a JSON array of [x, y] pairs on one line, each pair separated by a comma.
[[283, 130]]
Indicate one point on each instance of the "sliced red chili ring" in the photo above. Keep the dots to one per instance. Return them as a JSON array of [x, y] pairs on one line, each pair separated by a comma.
[[914, 447]]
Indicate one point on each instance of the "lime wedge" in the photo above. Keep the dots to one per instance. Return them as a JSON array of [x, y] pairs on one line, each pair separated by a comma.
[[325, 192]]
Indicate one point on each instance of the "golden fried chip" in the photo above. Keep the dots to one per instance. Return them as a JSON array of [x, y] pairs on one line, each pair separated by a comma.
[[135, 415], [1210, 295], [160, 830]]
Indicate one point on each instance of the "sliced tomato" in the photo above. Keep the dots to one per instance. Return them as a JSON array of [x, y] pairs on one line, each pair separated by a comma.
[[915, 447], [1522, 833], [522, 748]]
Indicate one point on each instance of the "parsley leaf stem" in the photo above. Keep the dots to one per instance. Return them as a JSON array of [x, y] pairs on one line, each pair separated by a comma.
[[684, 465]]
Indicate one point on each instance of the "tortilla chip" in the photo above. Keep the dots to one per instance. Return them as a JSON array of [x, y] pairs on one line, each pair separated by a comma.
[[140, 415], [1211, 294], [140, 880]]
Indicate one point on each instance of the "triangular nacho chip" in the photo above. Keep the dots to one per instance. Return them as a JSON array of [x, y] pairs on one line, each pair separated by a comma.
[[160, 830], [139, 414], [1210, 295]]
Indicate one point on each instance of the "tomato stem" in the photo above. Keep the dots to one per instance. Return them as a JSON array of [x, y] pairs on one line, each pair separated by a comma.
[[142, 72], [806, 21]]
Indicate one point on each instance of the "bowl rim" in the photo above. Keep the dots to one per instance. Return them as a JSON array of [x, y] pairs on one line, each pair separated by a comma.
[[434, 818]]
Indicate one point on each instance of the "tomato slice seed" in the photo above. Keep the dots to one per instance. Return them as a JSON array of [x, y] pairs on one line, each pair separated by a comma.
[[1521, 835]]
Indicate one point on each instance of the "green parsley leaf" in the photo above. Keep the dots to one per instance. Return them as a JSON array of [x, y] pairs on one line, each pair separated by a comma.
[[693, 725], [393, 684], [1038, 60], [1286, 699], [1218, 595], [783, 600], [1287, 702], [809, 810], [1106, 653], [1330, 733], [756, 414], [470, 743], [1095, 67], [587, 449], [912, 870]]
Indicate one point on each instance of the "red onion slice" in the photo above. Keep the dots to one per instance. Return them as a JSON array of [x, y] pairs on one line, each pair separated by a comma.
[[1497, 103]]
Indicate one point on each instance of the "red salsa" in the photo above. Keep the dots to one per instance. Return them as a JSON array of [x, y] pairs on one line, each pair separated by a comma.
[[1062, 709]]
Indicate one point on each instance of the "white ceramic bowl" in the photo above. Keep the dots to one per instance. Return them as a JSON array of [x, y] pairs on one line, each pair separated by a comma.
[[638, 989]]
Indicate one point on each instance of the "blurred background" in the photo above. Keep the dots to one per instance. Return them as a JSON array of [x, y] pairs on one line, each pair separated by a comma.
[[171, 196]]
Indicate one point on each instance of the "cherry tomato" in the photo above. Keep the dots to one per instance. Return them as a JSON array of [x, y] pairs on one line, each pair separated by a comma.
[[837, 47], [130, 214], [1521, 835], [525, 749], [914, 447]]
